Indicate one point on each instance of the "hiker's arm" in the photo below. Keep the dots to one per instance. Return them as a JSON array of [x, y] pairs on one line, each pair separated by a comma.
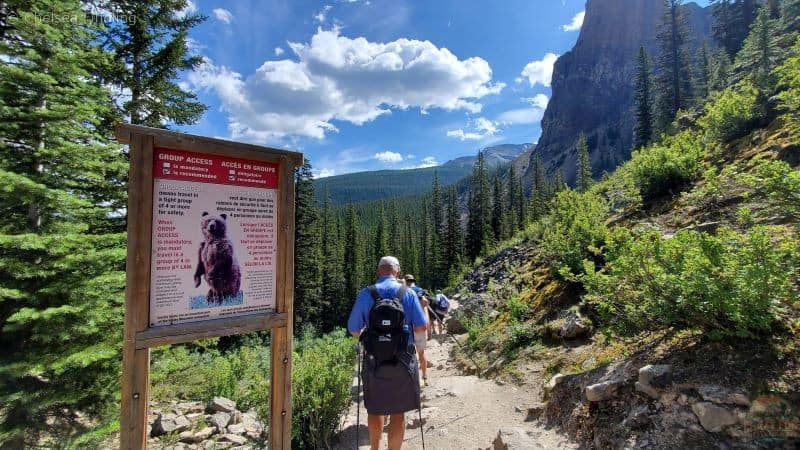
[[358, 316], [420, 329]]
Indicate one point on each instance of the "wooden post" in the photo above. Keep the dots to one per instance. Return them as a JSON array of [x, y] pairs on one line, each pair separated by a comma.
[[136, 362], [280, 431]]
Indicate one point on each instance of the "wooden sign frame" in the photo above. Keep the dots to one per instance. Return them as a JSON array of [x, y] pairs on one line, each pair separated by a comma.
[[139, 336]]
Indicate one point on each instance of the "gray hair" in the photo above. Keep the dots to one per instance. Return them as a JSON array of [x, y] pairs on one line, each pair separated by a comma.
[[389, 261]]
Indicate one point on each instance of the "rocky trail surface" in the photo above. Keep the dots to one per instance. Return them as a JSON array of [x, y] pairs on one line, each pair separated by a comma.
[[464, 412]]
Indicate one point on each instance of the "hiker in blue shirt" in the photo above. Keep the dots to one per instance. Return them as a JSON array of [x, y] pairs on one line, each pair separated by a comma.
[[389, 388]]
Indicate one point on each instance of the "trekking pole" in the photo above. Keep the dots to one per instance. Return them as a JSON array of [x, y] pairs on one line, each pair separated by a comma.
[[447, 332], [421, 425], [358, 394]]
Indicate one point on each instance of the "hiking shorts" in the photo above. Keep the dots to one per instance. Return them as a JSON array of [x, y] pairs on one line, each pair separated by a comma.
[[421, 339], [391, 388]]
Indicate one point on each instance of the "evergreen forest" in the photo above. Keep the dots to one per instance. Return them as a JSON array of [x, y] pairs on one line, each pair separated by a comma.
[[63, 183]]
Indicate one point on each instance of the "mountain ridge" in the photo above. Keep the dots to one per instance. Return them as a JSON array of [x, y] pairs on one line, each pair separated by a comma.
[[364, 186]]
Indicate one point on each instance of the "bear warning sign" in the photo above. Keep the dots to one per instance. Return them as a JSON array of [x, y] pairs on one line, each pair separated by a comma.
[[214, 237]]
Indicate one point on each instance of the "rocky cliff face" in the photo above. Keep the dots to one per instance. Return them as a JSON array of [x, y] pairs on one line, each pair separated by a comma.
[[593, 83]]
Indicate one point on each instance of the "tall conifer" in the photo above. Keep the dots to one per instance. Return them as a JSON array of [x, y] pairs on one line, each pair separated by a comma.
[[151, 49], [673, 77], [61, 269], [583, 176], [643, 101], [352, 260], [760, 52], [307, 257], [479, 224]]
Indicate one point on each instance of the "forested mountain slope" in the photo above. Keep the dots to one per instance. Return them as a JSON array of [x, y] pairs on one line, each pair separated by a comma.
[[660, 307], [387, 184]]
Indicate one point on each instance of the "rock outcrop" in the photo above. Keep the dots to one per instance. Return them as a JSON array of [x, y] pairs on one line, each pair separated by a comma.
[[593, 83], [183, 426]]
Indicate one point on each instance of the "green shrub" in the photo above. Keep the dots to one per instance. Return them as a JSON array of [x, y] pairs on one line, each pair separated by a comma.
[[620, 192], [516, 308], [727, 285], [573, 231], [779, 183], [789, 77], [666, 167], [519, 335], [731, 113], [321, 380]]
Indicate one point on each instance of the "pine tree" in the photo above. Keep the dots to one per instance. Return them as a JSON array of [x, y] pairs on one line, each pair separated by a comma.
[[454, 234], [352, 259], [479, 224], [721, 72], [583, 176], [513, 199], [538, 189], [61, 270], [558, 181], [673, 74], [702, 76], [334, 301], [151, 48], [307, 256], [426, 265], [643, 101], [498, 210], [381, 247], [760, 52], [439, 273], [395, 236]]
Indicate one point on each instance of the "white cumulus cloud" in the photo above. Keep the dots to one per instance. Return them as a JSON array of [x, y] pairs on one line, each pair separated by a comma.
[[324, 172], [321, 16], [576, 24], [223, 15], [532, 114], [539, 101], [480, 128], [388, 156], [428, 161], [539, 72], [278, 51], [335, 77]]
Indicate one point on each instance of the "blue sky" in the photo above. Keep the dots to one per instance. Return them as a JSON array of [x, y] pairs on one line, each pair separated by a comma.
[[373, 84]]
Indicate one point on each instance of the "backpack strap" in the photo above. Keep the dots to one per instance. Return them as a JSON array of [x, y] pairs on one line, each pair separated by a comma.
[[373, 291], [401, 293]]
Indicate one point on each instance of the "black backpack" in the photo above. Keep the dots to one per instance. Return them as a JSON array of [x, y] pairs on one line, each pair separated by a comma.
[[385, 338]]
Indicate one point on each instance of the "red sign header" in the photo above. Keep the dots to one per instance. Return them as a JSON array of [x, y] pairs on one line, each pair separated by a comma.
[[204, 168]]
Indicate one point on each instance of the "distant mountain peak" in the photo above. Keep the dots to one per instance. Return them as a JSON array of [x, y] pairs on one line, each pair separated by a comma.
[[361, 186], [495, 155]]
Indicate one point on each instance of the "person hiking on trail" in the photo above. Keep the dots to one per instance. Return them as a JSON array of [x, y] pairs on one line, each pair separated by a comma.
[[421, 338], [384, 317], [440, 306]]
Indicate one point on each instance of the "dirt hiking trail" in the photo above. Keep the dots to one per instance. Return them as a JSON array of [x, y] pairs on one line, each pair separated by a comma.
[[463, 412]]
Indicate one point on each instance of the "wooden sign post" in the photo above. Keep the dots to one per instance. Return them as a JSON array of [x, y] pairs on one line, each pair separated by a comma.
[[210, 253]]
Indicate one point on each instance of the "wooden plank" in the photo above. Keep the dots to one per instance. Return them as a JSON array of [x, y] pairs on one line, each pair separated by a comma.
[[280, 435], [181, 141], [136, 361], [187, 332]]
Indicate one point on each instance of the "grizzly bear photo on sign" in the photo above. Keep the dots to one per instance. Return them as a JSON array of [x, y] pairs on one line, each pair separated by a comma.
[[217, 261]]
